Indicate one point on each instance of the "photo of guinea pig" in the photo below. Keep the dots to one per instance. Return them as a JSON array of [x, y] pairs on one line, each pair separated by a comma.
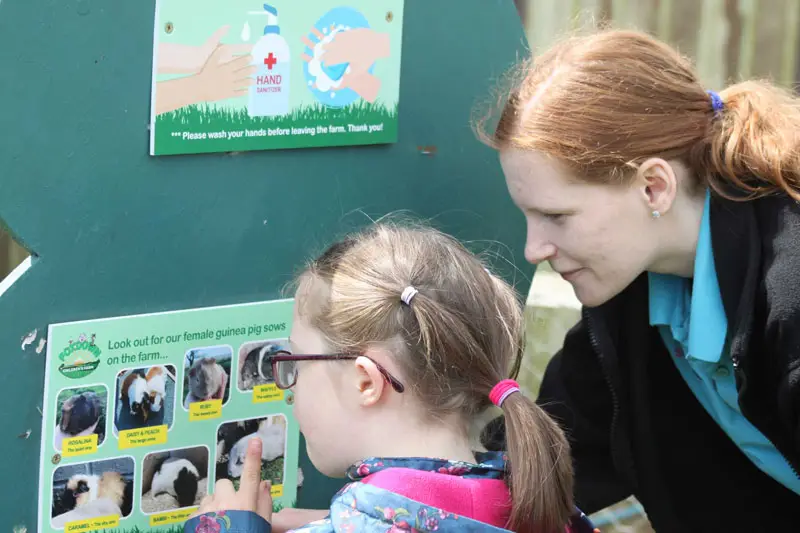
[[232, 441], [133, 394], [255, 363], [145, 397], [80, 411], [174, 479], [207, 375], [91, 490], [156, 379]]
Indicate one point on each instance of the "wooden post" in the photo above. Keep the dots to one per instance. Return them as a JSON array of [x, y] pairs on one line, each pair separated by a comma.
[[664, 26], [711, 44], [522, 8], [789, 53], [749, 10]]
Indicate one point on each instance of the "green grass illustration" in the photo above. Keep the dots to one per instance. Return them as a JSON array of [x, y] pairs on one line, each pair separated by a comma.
[[171, 128], [204, 115], [174, 528]]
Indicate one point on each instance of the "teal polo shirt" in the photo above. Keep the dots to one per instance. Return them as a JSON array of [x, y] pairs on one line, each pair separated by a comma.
[[691, 319]]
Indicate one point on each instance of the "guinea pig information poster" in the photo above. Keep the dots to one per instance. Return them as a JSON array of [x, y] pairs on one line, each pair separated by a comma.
[[143, 414], [246, 75]]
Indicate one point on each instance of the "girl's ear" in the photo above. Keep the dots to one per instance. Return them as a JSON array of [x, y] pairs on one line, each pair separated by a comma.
[[369, 380]]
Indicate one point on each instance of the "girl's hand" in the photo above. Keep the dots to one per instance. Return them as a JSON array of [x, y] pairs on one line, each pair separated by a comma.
[[253, 495]]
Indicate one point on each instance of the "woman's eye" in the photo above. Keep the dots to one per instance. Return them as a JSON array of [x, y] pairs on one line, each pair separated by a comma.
[[555, 217]]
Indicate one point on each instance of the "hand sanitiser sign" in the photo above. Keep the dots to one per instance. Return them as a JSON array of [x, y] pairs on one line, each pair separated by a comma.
[[245, 75]]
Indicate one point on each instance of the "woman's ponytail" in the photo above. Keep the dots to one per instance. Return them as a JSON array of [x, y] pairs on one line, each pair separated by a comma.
[[753, 145], [603, 103], [540, 468]]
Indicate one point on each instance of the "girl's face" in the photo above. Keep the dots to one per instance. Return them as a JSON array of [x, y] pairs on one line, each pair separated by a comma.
[[595, 236], [323, 405]]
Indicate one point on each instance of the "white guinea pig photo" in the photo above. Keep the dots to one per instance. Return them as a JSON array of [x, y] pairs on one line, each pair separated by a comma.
[[232, 440]]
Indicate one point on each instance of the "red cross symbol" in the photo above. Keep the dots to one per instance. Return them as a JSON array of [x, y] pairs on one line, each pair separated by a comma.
[[270, 61]]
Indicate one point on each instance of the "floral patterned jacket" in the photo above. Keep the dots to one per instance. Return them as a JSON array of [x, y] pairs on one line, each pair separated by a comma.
[[361, 507]]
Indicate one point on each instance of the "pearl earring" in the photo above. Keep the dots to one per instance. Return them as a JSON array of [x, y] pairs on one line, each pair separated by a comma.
[[656, 214]]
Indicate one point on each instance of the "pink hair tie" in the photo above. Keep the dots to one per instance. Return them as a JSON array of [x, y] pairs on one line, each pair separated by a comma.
[[503, 390]]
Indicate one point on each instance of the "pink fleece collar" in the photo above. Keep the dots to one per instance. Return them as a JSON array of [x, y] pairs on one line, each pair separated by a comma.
[[481, 499]]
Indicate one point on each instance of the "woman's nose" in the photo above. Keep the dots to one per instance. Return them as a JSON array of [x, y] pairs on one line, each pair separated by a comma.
[[538, 249]]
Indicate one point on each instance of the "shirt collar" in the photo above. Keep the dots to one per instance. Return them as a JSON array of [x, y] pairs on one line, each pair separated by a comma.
[[490, 465], [693, 308]]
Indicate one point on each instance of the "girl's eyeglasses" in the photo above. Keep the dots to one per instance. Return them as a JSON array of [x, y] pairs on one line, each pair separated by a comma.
[[284, 367]]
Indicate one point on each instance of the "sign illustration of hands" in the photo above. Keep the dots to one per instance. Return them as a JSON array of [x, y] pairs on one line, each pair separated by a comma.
[[356, 50], [215, 71]]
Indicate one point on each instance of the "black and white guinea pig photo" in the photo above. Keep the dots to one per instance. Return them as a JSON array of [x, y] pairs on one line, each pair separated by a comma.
[[175, 479], [256, 366]]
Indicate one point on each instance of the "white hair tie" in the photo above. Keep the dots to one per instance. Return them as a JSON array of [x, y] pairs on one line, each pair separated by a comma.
[[408, 295]]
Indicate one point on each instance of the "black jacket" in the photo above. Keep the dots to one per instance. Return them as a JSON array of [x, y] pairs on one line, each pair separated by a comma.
[[636, 427]]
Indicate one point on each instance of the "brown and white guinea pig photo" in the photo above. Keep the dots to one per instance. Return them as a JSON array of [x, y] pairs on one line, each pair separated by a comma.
[[145, 397], [156, 379], [85, 490], [82, 414], [135, 396]]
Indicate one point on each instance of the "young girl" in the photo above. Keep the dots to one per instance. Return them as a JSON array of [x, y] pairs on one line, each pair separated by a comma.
[[400, 339]]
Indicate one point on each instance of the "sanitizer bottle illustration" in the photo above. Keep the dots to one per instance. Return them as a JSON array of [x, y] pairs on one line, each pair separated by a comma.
[[269, 96]]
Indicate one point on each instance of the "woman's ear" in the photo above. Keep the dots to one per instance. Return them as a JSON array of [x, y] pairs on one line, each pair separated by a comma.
[[369, 380], [658, 184]]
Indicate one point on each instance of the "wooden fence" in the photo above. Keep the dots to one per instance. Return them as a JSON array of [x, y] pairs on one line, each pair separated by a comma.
[[729, 39]]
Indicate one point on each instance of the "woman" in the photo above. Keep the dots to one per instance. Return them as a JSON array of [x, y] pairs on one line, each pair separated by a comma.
[[673, 212]]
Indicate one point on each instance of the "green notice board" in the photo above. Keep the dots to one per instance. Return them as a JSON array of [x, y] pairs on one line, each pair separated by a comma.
[[117, 232], [154, 409]]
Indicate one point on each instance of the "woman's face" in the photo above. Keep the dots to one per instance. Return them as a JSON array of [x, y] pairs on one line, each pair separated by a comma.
[[595, 236]]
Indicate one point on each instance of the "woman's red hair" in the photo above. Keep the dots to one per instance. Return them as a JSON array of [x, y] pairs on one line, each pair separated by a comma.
[[603, 103]]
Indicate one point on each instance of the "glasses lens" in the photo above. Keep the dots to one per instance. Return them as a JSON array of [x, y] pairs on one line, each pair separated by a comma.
[[286, 374]]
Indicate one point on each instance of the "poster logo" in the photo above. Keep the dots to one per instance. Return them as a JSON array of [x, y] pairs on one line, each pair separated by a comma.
[[80, 358]]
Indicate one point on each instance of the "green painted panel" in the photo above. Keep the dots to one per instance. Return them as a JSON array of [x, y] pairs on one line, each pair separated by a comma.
[[117, 232]]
